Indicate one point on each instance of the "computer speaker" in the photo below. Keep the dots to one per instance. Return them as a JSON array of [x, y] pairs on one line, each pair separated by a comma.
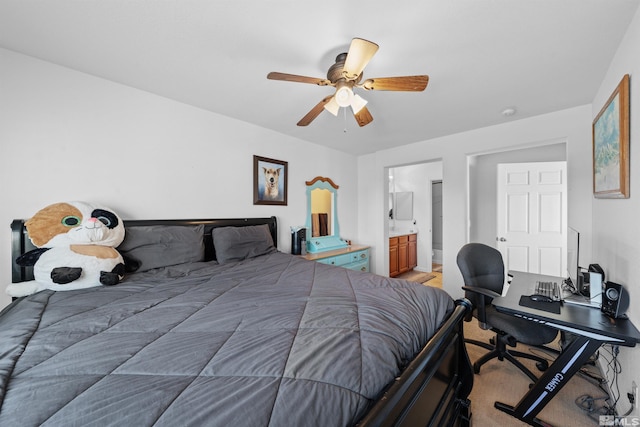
[[615, 300]]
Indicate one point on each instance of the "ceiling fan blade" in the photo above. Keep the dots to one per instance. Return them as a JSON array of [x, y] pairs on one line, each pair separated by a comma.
[[360, 53], [315, 111], [406, 83], [363, 117], [299, 79]]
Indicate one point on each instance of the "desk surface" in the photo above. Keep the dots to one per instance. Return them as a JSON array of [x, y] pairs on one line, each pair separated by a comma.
[[581, 320]]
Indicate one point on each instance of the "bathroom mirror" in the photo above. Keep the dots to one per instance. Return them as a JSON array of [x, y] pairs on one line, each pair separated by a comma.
[[403, 206], [323, 232]]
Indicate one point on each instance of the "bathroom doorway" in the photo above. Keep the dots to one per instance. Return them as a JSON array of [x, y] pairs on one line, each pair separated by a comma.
[[417, 179]]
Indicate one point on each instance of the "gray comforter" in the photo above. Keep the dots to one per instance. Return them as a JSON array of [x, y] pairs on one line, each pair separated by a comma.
[[274, 340]]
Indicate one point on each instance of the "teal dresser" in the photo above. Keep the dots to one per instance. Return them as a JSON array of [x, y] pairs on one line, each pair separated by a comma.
[[355, 257]]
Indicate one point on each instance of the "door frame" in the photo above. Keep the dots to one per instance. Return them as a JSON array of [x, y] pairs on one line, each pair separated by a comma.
[[549, 150], [430, 199]]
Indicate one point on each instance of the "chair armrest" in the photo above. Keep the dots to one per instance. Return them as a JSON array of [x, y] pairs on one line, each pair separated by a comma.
[[482, 291], [484, 297]]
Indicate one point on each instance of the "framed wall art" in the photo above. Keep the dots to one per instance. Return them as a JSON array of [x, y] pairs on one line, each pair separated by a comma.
[[269, 181], [611, 145]]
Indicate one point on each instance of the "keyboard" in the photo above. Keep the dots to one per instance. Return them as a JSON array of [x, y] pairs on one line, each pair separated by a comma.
[[549, 289]]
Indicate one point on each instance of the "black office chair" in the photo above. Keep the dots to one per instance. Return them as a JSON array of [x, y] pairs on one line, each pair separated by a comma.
[[483, 271]]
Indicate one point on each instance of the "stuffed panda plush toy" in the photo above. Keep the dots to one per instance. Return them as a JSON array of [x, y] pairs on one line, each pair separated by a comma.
[[75, 249]]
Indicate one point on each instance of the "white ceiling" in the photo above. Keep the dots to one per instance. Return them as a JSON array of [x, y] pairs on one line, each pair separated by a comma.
[[482, 56]]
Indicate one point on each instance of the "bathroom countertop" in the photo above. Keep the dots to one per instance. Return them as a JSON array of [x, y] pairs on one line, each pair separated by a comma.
[[401, 233]]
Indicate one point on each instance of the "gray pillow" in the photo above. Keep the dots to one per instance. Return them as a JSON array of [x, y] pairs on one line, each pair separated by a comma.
[[157, 246], [238, 243]]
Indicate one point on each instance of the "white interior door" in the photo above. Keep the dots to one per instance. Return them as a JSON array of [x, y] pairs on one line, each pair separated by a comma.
[[532, 217]]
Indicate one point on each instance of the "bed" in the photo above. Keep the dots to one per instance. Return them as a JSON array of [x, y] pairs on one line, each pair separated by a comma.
[[217, 327]]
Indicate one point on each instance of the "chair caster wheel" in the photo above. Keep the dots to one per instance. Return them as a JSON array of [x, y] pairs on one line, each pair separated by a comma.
[[542, 366]]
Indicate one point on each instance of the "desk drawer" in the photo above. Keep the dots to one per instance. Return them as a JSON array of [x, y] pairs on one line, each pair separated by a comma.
[[356, 259], [337, 260], [359, 266], [345, 260], [330, 261], [359, 256]]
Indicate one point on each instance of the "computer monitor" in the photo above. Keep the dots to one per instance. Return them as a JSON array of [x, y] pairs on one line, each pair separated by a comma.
[[573, 251]]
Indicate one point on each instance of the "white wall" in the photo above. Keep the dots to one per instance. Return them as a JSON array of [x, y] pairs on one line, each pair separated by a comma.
[[66, 136], [616, 234], [572, 126]]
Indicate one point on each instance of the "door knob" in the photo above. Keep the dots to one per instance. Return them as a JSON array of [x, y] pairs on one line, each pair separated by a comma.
[[501, 239]]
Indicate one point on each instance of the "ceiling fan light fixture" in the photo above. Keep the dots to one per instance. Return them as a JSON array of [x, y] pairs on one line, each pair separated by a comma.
[[358, 103], [332, 106], [343, 96]]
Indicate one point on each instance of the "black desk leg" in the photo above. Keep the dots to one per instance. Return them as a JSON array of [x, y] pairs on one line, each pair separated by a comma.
[[553, 379]]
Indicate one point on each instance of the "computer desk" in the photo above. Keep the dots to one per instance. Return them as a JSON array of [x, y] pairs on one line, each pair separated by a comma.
[[591, 327]]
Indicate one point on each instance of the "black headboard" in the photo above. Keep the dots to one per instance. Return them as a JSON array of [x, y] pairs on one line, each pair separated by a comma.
[[20, 242]]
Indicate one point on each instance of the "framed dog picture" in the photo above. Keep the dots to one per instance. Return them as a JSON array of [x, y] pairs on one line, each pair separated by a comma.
[[269, 181]]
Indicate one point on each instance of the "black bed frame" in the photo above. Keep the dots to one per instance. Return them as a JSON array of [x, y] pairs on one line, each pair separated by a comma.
[[432, 390]]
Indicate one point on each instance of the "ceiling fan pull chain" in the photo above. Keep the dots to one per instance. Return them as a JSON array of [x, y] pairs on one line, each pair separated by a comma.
[[344, 110]]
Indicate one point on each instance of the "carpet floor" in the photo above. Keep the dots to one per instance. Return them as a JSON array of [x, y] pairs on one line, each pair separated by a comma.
[[503, 382]]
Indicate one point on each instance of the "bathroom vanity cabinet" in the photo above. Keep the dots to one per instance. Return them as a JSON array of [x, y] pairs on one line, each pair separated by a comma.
[[403, 253]]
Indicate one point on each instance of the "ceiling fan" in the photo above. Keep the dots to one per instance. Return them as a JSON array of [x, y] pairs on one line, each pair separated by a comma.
[[345, 75]]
